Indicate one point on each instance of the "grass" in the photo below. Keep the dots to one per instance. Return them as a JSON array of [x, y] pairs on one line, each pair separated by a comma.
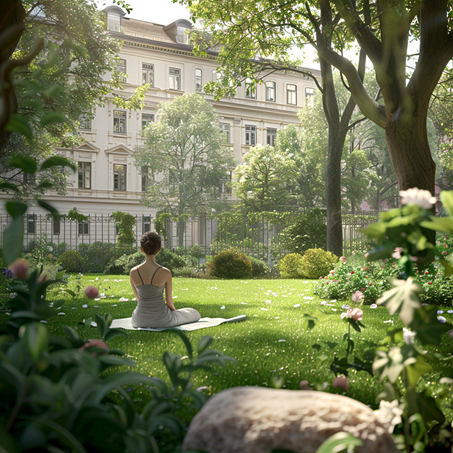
[[272, 344]]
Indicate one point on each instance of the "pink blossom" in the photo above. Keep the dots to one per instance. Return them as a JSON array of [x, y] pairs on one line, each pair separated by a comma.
[[445, 253], [397, 253], [332, 272], [352, 272], [343, 259], [426, 272], [341, 382], [430, 283], [19, 268], [355, 313], [367, 255], [96, 343], [445, 245], [358, 297], [365, 268], [91, 292]]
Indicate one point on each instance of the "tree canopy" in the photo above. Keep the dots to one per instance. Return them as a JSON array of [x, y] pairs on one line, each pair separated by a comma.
[[183, 158]]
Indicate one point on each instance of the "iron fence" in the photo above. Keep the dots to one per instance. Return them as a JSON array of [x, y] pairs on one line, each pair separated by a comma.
[[258, 238]]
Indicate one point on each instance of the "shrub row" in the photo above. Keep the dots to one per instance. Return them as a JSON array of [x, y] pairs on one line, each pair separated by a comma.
[[314, 263]]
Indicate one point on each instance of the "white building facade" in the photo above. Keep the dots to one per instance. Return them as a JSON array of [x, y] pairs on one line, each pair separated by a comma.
[[107, 179]]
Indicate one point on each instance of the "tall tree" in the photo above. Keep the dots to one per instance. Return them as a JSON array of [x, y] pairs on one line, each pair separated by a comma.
[[255, 39], [183, 158], [266, 180]]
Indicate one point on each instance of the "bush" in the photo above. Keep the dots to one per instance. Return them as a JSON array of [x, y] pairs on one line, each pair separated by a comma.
[[289, 266], [308, 232], [259, 268], [316, 263], [125, 263], [230, 264], [190, 272], [99, 255], [71, 261]]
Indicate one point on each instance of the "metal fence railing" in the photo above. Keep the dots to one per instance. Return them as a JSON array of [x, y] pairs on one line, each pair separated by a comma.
[[259, 238]]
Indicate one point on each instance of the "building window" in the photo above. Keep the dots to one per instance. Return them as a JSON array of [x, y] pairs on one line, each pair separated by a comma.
[[181, 36], [113, 22], [119, 121], [83, 228], [56, 224], [121, 68], [145, 178], [147, 118], [146, 224], [250, 89], [291, 94], [198, 80], [31, 223], [271, 91], [224, 129], [310, 96], [225, 186], [85, 122], [271, 135], [250, 135], [119, 177], [174, 79], [84, 175], [147, 74]]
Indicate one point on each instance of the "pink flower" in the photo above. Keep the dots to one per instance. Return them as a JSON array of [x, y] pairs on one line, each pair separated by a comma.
[[371, 283], [343, 259], [341, 382], [426, 272], [352, 272], [393, 264], [355, 313], [96, 343], [358, 297], [91, 292], [367, 255], [332, 272], [430, 283], [19, 268], [445, 245], [365, 268], [445, 253], [397, 253]]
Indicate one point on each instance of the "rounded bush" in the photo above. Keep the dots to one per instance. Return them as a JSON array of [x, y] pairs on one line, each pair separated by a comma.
[[289, 266], [230, 264], [71, 261], [317, 263], [259, 267]]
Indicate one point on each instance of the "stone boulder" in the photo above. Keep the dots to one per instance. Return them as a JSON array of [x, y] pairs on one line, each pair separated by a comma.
[[255, 420]]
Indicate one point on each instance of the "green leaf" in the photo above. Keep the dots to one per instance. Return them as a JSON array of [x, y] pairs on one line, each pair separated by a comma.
[[446, 196], [47, 207], [402, 299], [18, 123], [25, 163], [185, 341], [339, 442], [415, 370], [9, 186], [428, 328], [34, 336], [57, 161], [388, 363], [71, 332], [204, 343], [102, 326], [53, 117], [112, 333], [16, 208], [316, 346], [444, 224], [45, 184], [425, 405], [13, 237], [331, 344]]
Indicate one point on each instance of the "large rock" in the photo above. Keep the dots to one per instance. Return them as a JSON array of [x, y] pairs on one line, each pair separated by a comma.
[[254, 420]]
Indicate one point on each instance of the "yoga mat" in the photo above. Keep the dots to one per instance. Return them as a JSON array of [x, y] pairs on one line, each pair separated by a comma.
[[125, 323]]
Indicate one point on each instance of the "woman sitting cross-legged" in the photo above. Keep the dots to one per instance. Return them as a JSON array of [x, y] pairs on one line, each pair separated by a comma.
[[148, 280]]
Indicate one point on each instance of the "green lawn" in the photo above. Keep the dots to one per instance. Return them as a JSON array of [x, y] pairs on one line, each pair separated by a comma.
[[272, 343]]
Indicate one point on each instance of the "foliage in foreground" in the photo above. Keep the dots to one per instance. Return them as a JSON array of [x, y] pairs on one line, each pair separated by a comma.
[[55, 392]]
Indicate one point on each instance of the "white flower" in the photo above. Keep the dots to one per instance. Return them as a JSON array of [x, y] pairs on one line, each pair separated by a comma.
[[389, 414], [422, 198], [409, 337]]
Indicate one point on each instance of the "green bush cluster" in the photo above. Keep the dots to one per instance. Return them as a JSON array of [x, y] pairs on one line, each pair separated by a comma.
[[314, 263], [71, 261], [125, 263], [308, 232], [230, 264], [259, 268], [97, 256]]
